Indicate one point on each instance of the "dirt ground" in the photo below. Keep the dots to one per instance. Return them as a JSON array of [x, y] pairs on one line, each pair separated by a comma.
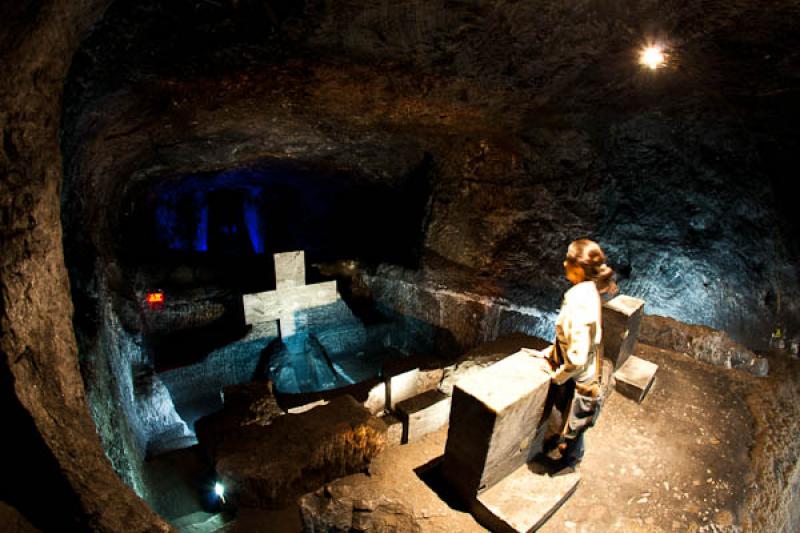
[[708, 450]]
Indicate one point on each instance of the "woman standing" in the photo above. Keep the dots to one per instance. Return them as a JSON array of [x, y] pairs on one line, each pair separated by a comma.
[[576, 355]]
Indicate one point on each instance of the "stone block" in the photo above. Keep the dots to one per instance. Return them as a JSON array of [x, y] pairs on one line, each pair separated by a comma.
[[622, 317], [423, 414], [493, 422], [635, 378], [270, 466], [523, 501], [290, 270], [376, 399], [401, 387], [394, 433]]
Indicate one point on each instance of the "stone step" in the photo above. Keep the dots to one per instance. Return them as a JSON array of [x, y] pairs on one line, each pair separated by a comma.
[[523, 501], [635, 378], [423, 414]]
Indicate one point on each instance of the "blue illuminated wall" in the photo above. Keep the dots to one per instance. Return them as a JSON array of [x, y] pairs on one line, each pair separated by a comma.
[[182, 211]]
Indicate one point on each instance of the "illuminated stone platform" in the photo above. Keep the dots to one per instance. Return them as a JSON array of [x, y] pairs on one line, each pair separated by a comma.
[[523, 501]]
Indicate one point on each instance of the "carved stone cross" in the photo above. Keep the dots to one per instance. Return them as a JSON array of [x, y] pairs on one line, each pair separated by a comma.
[[291, 297]]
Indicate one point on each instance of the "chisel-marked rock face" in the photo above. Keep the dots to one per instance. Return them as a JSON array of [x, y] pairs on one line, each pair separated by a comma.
[[528, 124]]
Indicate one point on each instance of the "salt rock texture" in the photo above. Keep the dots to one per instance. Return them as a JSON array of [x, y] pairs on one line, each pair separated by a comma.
[[41, 385], [268, 466], [533, 122], [701, 342], [245, 404], [390, 497]]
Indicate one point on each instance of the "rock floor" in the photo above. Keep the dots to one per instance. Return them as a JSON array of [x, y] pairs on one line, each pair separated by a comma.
[[708, 450], [690, 457]]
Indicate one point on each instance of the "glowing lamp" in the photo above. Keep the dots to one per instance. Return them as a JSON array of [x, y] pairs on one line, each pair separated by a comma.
[[155, 299], [652, 57], [219, 490]]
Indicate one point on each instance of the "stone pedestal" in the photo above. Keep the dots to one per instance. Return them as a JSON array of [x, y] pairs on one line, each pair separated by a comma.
[[523, 501], [493, 422], [635, 378], [423, 414], [622, 317]]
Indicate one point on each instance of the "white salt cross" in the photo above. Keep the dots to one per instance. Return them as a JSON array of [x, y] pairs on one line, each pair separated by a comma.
[[291, 295]]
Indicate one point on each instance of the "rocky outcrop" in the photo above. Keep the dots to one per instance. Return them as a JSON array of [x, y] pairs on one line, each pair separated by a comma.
[[268, 466], [39, 364], [393, 496], [13, 522], [244, 404], [703, 343]]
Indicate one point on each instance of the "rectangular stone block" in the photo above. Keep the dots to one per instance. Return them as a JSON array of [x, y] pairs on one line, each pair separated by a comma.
[[493, 422], [622, 317], [290, 269], [423, 414], [401, 387], [394, 433], [635, 378], [523, 501]]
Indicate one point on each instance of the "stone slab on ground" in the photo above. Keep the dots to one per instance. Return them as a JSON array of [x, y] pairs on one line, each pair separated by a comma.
[[635, 378], [622, 317], [423, 414], [269, 466], [523, 501], [493, 422]]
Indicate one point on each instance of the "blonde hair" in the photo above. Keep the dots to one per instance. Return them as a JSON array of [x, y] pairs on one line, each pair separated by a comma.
[[588, 255]]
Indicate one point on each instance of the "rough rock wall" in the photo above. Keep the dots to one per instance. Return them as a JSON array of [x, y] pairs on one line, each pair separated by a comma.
[[39, 359], [540, 125], [130, 405]]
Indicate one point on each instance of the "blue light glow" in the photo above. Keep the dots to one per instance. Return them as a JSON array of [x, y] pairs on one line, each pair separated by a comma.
[[255, 226], [201, 235]]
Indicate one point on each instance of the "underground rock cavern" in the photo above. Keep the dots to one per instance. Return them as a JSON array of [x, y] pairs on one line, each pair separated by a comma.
[[293, 266]]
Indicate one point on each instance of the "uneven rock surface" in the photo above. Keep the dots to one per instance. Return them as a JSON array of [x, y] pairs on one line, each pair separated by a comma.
[[705, 451], [13, 522], [268, 466], [528, 123], [42, 392], [701, 342], [244, 405], [390, 497]]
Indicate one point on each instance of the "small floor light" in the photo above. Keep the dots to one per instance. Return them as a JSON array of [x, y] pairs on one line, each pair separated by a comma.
[[219, 490]]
